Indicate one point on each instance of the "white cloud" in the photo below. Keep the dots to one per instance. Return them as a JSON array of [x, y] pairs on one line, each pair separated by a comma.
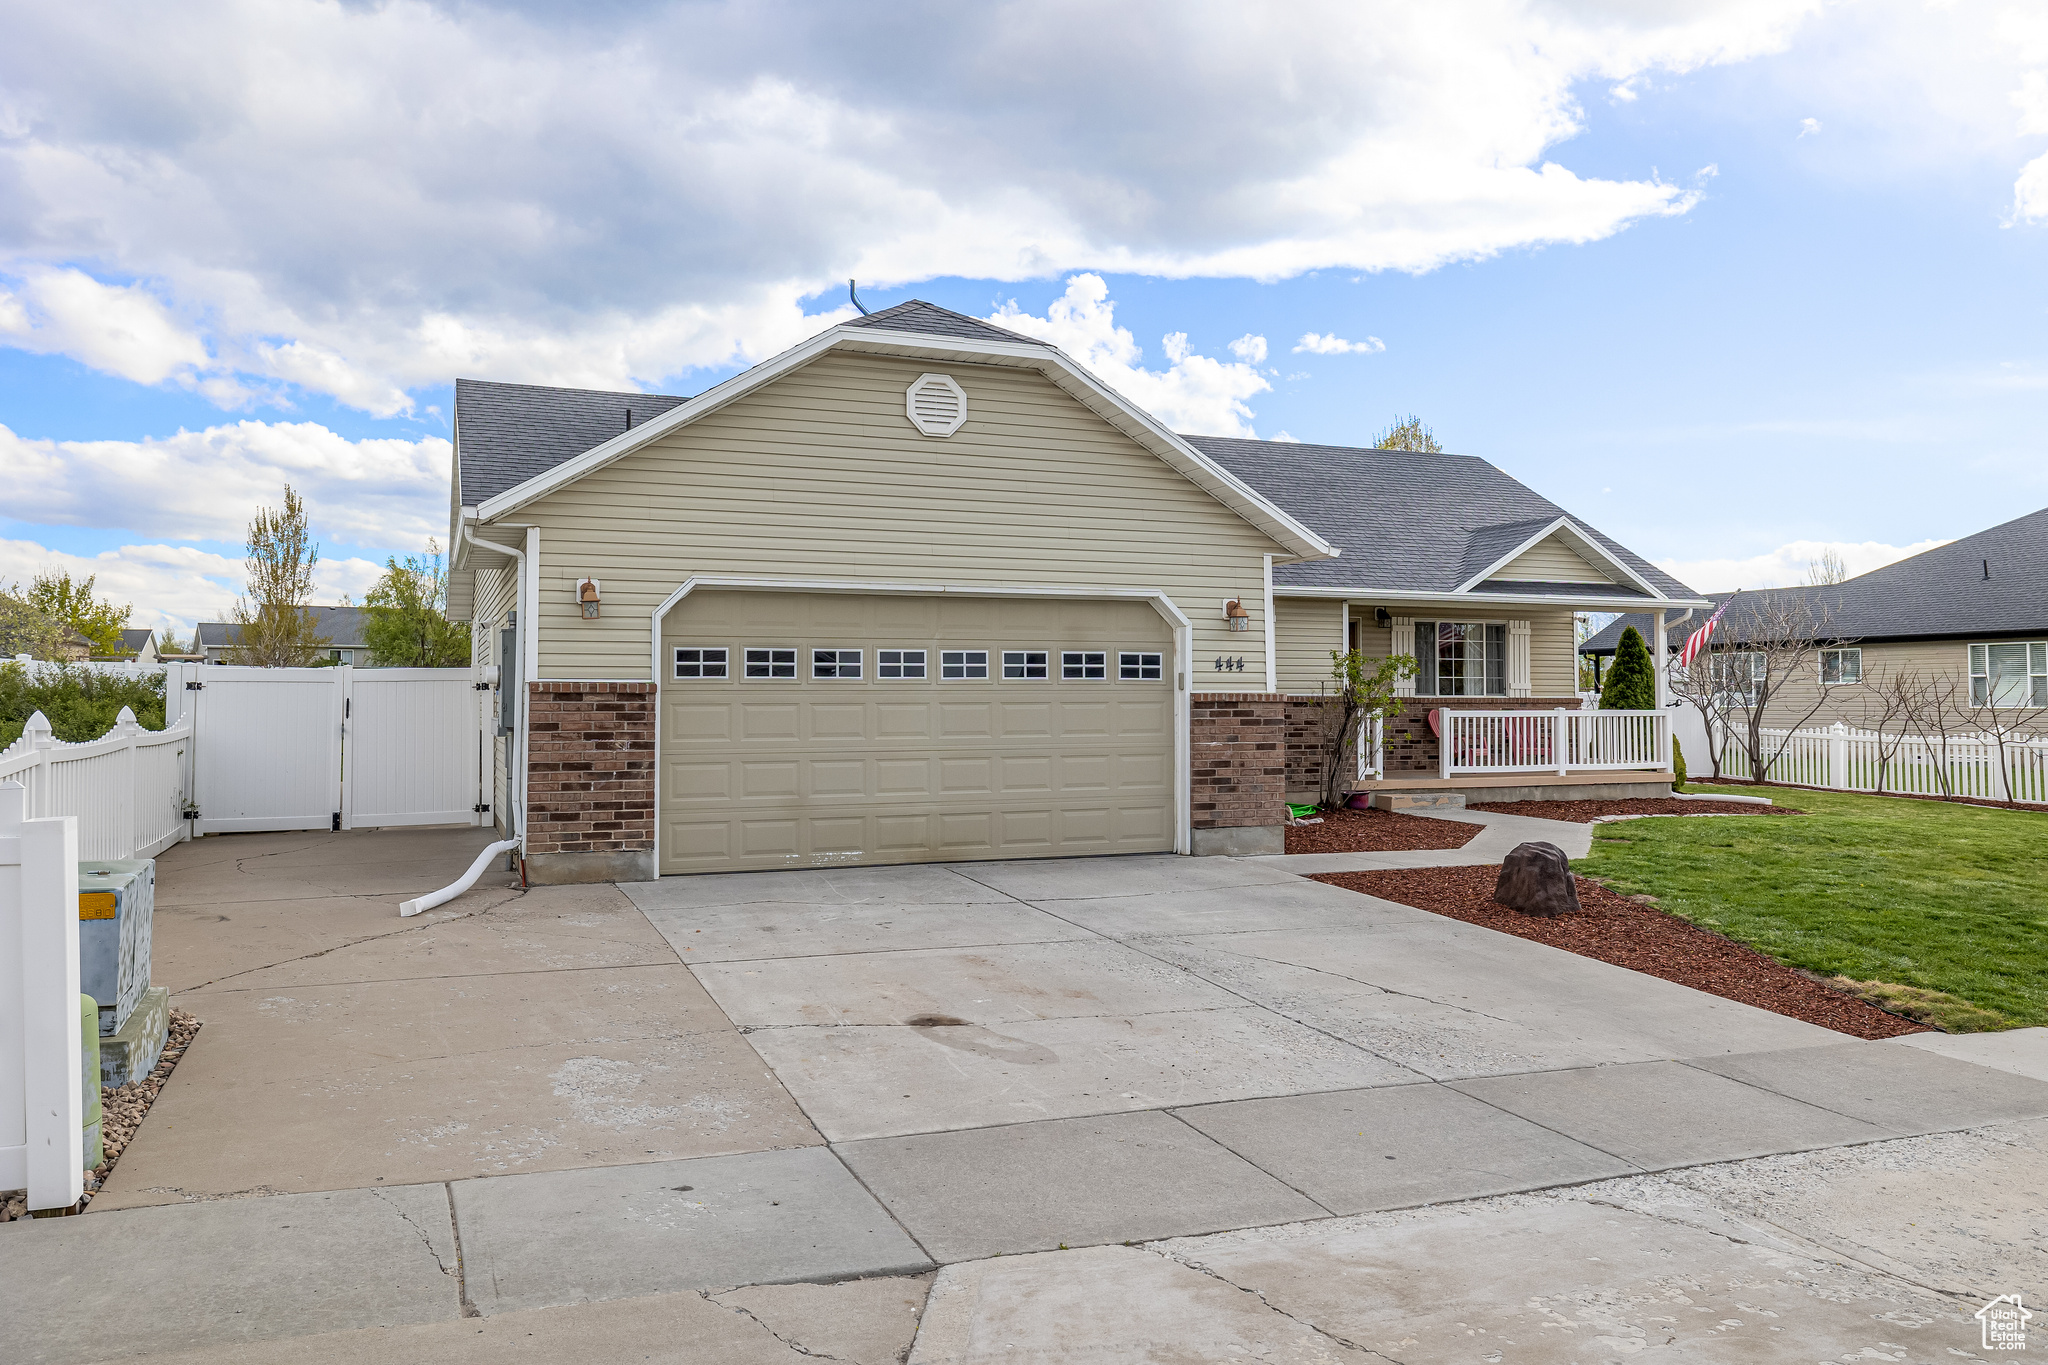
[[1808, 127], [1787, 565], [1321, 343], [1250, 349], [1195, 393], [205, 485], [363, 199], [172, 585]]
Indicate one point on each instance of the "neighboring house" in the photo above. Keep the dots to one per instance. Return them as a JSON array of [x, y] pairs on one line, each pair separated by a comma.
[[137, 646], [1973, 612], [340, 627], [924, 589]]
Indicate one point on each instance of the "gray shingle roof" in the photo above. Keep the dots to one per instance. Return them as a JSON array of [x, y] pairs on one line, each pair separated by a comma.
[[342, 627], [915, 315], [1404, 519], [507, 433], [1941, 593], [133, 640]]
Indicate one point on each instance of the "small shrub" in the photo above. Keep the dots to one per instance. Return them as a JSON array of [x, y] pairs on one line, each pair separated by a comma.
[[1677, 764], [1631, 683], [81, 704]]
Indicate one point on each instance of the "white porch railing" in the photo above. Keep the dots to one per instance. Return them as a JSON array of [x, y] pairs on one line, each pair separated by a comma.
[[1559, 741], [1838, 757], [127, 787]]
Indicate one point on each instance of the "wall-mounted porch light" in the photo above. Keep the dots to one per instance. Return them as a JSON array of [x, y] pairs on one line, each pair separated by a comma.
[[1234, 612], [587, 593]]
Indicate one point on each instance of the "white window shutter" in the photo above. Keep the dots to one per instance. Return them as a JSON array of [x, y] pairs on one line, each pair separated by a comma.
[[1518, 658], [1403, 643]]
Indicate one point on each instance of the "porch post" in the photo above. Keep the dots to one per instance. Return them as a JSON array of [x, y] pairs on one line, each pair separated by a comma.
[[1659, 653], [1561, 740]]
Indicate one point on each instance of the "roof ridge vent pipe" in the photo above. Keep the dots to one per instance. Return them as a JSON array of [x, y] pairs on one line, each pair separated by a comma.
[[854, 293], [1987, 571]]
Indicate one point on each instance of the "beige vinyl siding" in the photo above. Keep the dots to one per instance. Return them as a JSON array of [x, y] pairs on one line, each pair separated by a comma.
[[1305, 630], [1551, 561], [493, 599], [1858, 704], [820, 476], [1551, 638]]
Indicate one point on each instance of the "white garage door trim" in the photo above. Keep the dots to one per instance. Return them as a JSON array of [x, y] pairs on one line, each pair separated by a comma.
[[1183, 638]]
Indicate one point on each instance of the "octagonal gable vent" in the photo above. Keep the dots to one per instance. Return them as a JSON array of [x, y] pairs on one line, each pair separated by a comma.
[[937, 406]]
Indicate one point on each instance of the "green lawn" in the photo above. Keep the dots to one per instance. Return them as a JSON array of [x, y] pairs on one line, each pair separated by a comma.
[[1921, 894]]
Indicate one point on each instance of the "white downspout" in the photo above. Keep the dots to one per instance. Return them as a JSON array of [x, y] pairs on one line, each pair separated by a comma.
[[515, 779], [1272, 664]]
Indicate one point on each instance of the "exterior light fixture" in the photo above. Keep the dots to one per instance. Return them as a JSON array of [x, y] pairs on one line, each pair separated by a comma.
[[587, 597], [1234, 612]]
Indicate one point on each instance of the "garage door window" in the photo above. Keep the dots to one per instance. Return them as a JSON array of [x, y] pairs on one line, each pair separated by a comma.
[[1084, 663], [835, 663], [899, 663], [1138, 667], [1027, 663], [963, 663], [701, 663], [771, 663]]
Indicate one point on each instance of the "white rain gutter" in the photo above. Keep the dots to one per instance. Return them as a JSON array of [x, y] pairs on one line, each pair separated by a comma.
[[514, 779]]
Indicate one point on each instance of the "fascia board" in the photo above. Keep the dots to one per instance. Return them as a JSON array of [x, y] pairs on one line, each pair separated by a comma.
[[1588, 603], [1211, 478]]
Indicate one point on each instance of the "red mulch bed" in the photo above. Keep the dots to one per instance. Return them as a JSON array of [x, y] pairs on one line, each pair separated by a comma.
[[1585, 812], [1613, 928], [1377, 831]]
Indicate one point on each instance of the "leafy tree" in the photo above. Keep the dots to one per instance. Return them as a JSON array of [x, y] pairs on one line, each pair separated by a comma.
[[1360, 691], [276, 630], [407, 625], [1408, 433], [1631, 683], [25, 630], [73, 605]]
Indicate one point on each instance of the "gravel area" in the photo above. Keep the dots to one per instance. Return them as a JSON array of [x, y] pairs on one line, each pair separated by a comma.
[[1630, 933], [122, 1109], [1585, 812], [1376, 831]]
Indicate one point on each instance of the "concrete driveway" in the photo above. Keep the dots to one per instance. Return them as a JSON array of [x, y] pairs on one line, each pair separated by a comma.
[[746, 1117]]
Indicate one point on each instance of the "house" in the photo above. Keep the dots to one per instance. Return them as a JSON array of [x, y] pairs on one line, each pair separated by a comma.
[[924, 589], [1972, 614], [340, 627], [137, 646]]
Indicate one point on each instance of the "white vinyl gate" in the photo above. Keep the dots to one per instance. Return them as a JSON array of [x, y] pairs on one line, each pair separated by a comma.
[[330, 748]]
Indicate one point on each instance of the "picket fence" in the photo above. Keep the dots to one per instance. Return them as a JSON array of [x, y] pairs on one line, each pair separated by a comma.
[[1838, 757], [127, 788]]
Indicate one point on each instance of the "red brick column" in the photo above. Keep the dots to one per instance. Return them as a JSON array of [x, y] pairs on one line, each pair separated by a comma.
[[590, 781], [1238, 772]]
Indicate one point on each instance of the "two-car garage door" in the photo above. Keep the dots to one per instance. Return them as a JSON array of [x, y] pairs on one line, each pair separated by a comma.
[[807, 729]]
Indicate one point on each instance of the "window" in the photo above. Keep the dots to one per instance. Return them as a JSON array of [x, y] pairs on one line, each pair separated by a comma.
[[1084, 663], [771, 663], [963, 663], [1027, 663], [1461, 659], [1138, 667], [835, 663], [899, 663], [341, 656], [2009, 675], [1841, 666], [1739, 676], [701, 663]]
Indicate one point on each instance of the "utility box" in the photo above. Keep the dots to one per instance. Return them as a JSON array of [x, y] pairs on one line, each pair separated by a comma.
[[116, 900]]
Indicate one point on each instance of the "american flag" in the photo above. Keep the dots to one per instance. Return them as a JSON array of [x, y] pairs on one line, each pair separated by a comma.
[[1697, 641]]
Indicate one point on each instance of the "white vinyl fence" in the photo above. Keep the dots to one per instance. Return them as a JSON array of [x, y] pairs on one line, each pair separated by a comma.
[[126, 788], [1558, 741], [1855, 760], [42, 1138]]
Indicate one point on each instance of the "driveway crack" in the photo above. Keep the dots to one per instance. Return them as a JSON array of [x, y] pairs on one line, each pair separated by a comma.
[[425, 1240], [752, 1317], [1320, 1331]]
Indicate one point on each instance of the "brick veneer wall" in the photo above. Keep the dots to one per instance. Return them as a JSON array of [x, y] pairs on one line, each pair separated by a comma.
[[590, 767], [1238, 768], [1410, 747]]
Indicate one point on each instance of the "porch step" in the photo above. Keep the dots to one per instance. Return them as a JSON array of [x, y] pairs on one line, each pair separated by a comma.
[[1424, 800]]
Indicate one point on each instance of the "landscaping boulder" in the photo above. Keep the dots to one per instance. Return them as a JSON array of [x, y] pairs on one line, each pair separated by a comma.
[[1536, 879]]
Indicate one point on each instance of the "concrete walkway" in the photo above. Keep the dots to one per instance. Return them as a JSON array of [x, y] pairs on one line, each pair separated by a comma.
[[744, 1117], [1501, 833]]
